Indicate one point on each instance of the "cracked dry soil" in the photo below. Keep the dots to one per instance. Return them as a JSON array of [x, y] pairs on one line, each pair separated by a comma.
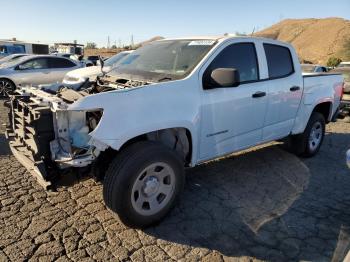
[[265, 204]]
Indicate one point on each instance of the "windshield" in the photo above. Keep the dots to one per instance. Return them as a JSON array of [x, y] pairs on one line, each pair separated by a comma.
[[113, 61], [169, 59], [308, 68], [13, 61], [9, 58]]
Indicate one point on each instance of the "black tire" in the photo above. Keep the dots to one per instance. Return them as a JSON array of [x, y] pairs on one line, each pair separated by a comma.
[[7, 87], [124, 172], [300, 145]]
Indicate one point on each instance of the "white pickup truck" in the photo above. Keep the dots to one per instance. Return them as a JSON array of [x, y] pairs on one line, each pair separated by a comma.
[[172, 104]]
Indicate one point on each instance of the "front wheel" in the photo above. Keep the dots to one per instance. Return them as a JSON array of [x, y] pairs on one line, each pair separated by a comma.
[[6, 88], [143, 182]]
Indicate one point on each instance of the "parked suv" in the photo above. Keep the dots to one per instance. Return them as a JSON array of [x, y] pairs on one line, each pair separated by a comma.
[[93, 59]]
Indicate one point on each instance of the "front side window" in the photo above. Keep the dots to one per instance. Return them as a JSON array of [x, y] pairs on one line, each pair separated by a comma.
[[279, 60], [241, 56], [40, 63]]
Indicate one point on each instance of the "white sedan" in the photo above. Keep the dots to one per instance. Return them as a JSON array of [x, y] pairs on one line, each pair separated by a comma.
[[76, 78]]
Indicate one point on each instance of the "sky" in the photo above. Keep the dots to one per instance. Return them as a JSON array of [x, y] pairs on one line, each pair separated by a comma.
[[49, 21]]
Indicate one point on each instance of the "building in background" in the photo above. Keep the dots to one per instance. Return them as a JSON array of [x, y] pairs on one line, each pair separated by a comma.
[[14, 46], [69, 48]]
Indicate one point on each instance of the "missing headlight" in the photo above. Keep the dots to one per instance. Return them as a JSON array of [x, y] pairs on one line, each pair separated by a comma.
[[92, 119]]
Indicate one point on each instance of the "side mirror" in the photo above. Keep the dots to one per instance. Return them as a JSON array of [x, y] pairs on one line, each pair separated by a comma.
[[224, 77]]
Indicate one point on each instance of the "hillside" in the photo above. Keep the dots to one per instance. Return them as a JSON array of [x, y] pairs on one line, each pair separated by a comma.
[[314, 39], [150, 40]]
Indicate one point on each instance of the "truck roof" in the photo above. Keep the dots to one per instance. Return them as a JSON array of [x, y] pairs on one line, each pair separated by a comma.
[[225, 37]]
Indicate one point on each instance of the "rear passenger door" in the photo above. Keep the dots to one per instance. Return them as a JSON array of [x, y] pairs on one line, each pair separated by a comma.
[[284, 91], [59, 67]]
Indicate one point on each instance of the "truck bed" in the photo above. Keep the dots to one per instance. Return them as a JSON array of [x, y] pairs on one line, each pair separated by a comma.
[[323, 87]]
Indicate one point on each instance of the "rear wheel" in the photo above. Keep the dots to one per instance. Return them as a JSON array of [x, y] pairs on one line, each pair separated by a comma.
[[6, 88], [143, 182], [308, 143]]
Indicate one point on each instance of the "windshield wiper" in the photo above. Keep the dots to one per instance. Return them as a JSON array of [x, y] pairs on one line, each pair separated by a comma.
[[164, 78]]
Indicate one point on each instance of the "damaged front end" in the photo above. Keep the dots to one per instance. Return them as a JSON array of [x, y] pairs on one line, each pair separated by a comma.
[[47, 137]]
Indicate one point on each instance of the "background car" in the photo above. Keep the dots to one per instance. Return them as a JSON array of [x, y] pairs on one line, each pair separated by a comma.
[[93, 59], [344, 64], [345, 71], [62, 55], [75, 78], [33, 70], [11, 58], [310, 68], [345, 103]]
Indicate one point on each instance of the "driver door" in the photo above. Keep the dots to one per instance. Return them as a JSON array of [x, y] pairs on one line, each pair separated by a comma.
[[232, 118]]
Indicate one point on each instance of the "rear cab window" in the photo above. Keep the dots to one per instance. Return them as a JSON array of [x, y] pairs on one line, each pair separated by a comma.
[[279, 61]]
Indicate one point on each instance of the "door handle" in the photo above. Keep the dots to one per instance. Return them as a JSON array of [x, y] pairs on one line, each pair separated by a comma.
[[294, 88], [259, 94]]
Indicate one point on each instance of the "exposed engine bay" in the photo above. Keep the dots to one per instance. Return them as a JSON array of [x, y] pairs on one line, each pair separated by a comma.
[[45, 134]]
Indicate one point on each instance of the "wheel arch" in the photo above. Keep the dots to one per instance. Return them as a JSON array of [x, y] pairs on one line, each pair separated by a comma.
[[324, 108], [179, 139], [8, 79], [3, 92]]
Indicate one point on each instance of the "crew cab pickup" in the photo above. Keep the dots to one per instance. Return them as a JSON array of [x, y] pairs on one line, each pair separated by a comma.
[[171, 104]]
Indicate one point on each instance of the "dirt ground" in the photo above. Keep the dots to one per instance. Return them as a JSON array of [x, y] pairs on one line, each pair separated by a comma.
[[261, 205]]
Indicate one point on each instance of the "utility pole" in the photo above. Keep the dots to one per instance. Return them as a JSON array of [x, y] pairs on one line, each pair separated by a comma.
[[132, 41], [108, 43]]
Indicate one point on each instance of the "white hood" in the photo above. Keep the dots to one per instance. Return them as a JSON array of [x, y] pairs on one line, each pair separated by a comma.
[[86, 72]]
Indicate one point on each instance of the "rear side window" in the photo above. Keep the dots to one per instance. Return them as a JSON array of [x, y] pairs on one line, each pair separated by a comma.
[[61, 63], [240, 56], [279, 61]]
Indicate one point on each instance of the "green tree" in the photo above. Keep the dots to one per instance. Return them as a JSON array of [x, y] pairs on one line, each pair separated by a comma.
[[333, 61], [91, 45]]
